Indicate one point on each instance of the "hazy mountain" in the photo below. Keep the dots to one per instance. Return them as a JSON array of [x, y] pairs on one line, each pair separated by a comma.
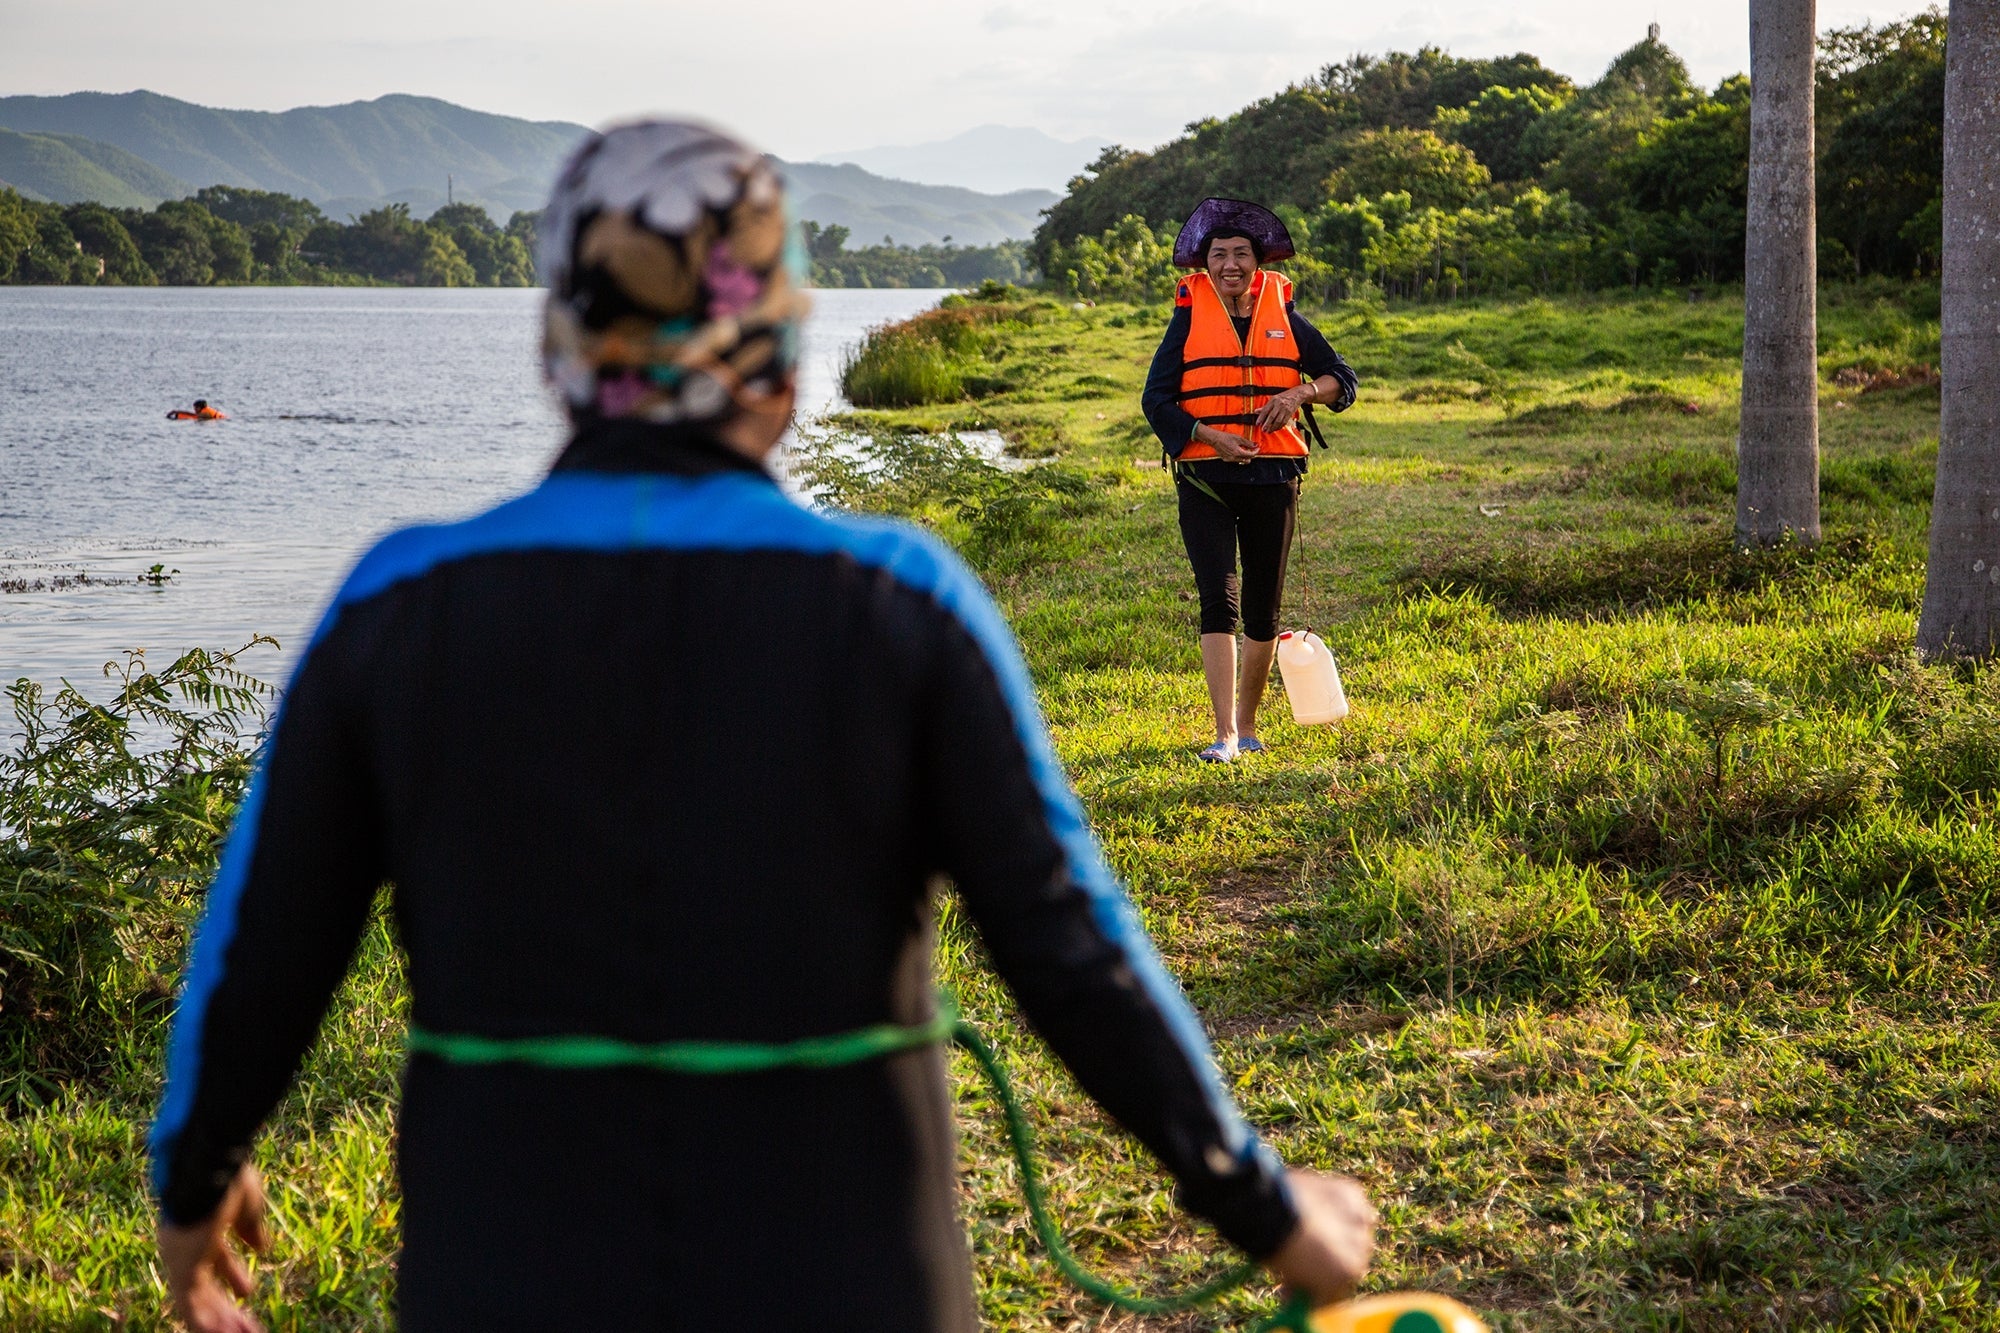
[[992, 158], [358, 153], [135, 149], [68, 169], [872, 207]]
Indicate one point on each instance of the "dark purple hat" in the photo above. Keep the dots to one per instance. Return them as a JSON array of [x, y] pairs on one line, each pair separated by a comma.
[[1212, 215]]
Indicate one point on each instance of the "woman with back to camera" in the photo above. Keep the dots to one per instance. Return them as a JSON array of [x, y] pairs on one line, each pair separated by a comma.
[[671, 861], [1236, 367]]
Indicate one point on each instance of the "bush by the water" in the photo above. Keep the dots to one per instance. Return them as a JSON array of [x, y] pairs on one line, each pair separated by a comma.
[[921, 360], [111, 816], [939, 356], [999, 518], [894, 368]]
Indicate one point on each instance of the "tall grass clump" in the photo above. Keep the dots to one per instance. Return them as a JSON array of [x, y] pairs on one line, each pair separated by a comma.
[[111, 817], [897, 368], [918, 361]]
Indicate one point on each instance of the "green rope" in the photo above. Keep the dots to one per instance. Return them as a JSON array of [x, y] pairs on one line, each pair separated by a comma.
[[1021, 1138], [846, 1048], [688, 1057]]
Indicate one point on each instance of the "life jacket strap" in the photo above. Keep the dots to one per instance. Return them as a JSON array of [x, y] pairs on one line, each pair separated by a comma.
[[1312, 427], [1242, 362], [1229, 391]]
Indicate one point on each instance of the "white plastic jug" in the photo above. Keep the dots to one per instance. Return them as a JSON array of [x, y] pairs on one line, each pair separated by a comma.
[[1312, 680]]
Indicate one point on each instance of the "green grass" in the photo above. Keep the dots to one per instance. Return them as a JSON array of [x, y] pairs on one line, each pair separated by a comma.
[[1634, 940]]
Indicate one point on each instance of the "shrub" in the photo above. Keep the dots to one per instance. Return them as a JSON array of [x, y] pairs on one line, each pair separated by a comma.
[[1000, 518], [111, 818]]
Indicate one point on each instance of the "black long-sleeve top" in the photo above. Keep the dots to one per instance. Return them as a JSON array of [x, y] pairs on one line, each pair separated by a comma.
[[1174, 424], [654, 752]]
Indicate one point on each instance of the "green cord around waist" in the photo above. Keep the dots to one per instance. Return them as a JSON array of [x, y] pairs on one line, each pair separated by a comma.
[[829, 1052], [689, 1057]]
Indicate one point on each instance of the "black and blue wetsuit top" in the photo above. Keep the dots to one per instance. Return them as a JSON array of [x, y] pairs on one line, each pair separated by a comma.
[[654, 752]]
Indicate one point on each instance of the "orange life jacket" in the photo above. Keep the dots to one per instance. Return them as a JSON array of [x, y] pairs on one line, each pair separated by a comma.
[[1225, 384], [208, 414]]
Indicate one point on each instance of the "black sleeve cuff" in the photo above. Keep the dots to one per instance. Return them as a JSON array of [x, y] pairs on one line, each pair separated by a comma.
[[202, 1174], [1251, 1206]]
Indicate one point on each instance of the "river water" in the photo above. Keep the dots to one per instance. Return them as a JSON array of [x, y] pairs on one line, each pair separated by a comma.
[[352, 412]]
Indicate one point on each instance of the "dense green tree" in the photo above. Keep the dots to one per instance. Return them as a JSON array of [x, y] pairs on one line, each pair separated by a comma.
[[234, 260], [1687, 177], [1584, 140], [1404, 91], [525, 227], [1435, 173], [389, 245], [440, 263], [824, 243], [1651, 69], [1130, 261], [1277, 151], [276, 251], [102, 236], [247, 207], [17, 231], [1882, 140], [187, 246], [55, 258], [1496, 127], [498, 258], [274, 226], [174, 244]]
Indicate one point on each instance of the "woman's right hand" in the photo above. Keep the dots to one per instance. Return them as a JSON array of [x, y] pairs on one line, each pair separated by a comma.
[[1229, 448], [1327, 1255]]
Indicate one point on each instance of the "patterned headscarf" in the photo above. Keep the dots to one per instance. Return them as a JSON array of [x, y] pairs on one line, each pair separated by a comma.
[[674, 275]]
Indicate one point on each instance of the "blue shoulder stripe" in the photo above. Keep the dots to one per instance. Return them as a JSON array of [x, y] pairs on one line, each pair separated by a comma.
[[727, 512]]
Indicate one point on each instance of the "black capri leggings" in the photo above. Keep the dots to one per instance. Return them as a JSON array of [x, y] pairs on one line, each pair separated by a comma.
[[1257, 518]]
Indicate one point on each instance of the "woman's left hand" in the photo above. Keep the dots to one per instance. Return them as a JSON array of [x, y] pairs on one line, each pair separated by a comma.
[[1278, 413]]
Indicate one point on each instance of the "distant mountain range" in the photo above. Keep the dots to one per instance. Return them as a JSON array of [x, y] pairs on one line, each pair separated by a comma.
[[68, 168], [135, 149], [995, 159]]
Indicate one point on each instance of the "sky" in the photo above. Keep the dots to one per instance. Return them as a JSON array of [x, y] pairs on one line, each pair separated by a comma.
[[802, 79]]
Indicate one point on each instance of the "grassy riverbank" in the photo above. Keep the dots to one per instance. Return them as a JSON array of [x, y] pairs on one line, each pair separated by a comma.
[[1633, 940]]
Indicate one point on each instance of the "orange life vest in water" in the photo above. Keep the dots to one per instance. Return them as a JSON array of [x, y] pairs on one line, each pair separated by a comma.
[[1226, 380]]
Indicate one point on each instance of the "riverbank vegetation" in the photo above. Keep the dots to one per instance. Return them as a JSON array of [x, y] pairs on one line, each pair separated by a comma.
[[1437, 177], [1633, 940], [892, 265], [225, 235], [229, 235]]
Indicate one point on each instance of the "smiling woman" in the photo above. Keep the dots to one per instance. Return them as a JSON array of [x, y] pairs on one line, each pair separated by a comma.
[[1236, 367]]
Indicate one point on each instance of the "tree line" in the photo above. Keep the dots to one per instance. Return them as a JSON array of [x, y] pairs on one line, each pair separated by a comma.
[[1429, 176], [230, 234], [892, 265]]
